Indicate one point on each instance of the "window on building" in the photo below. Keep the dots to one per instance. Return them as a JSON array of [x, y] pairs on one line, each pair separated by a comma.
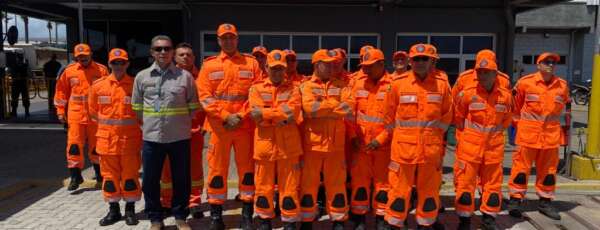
[[276, 41], [332, 42], [247, 42], [405, 42], [473, 44], [305, 43], [446, 44]]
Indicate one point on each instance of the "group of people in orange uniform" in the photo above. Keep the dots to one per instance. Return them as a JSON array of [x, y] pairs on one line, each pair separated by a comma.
[[292, 134]]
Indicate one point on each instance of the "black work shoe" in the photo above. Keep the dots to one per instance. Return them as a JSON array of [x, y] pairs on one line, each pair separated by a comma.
[[130, 218], [306, 226], [514, 207], [545, 207], [216, 217], [247, 213], [488, 222], [289, 226], [358, 222], [337, 225], [381, 224], [113, 215], [264, 224], [76, 179], [196, 212], [464, 223]]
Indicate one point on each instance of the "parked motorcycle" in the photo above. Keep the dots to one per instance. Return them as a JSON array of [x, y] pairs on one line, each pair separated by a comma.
[[581, 92]]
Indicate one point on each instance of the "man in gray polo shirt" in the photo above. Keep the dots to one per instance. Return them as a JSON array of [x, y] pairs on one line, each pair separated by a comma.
[[165, 98]]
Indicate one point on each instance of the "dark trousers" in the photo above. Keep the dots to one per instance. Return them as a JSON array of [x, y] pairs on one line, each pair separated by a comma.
[[19, 87], [153, 157]]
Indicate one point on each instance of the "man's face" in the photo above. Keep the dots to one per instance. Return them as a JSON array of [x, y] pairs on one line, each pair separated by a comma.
[[421, 64], [84, 60], [486, 76], [547, 66], [401, 64], [276, 74], [292, 63], [184, 56], [374, 71], [324, 70], [162, 52], [118, 67], [228, 43]]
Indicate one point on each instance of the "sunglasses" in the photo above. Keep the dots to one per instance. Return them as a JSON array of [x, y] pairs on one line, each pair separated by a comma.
[[549, 62], [420, 59], [118, 63], [159, 49]]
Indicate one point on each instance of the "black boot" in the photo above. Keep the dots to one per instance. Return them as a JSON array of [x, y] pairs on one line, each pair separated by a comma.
[[97, 172], [464, 223], [27, 112], [289, 225], [381, 224], [196, 212], [130, 218], [113, 216], [264, 224], [247, 213], [216, 217], [306, 226], [488, 222], [514, 207], [545, 207], [358, 222], [337, 225], [76, 179]]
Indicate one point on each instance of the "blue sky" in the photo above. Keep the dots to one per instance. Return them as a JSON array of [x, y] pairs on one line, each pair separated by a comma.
[[37, 29]]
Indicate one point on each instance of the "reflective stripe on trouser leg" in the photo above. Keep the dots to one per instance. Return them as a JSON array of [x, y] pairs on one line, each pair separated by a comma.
[[265, 180], [243, 146], [401, 179], [312, 162], [130, 183], [361, 171], [465, 179], [110, 166], [381, 161], [429, 178], [491, 180], [196, 169], [334, 178], [219, 151], [546, 163], [288, 177], [522, 160], [75, 142]]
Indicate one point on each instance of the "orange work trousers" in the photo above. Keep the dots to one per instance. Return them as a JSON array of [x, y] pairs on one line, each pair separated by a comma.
[[333, 166], [546, 162], [196, 171], [121, 177], [466, 176], [369, 169], [287, 172], [218, 156], [78, 135], [426, 178]]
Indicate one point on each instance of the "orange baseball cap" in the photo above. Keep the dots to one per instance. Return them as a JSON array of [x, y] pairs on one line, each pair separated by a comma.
[[364, 49], [117, 54], [399, 54], [341, 53], [226, 28], [324, 55], [486, 59], [423, 50], [82, 49], [547, 55], [260, 49], [276, 58], [289, 52], [372, 56]]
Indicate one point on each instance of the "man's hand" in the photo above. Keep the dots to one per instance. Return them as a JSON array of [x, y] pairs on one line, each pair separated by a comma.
[[232, 121], [356, 143], [373, 145], [256, 115], [62, 119]]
